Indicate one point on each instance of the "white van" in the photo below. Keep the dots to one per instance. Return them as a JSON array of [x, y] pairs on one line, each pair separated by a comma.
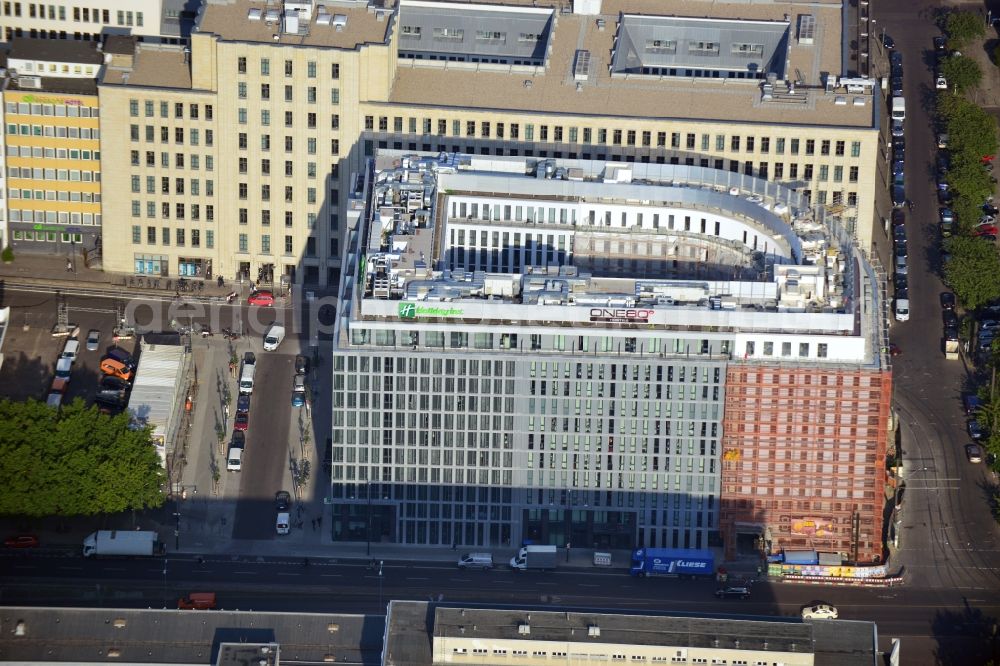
[[902, 309], [71, 350], [898, 108], [476, 561], [234, 459], [273, 337], [282, 524], [246, 376]]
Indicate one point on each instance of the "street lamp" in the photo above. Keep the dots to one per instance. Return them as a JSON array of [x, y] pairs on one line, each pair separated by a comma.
[[380, 586]]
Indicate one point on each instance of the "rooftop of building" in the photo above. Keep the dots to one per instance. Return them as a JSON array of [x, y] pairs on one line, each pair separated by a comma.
[[120, 44], [153, 65], [55, 50], [53, 84], [408, 252], [342, 24], [75, 635], [594, 63], [413, 626]]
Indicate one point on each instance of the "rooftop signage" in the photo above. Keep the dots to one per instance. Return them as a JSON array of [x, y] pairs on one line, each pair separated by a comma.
[[410, 310], [621, 315]]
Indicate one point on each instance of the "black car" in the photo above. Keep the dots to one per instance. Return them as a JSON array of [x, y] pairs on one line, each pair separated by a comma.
[[903, 294], [899, 281], [944, 197], [940, 44], [301, 365], [735, 592], [109, 383], [239, 439], [943, 162], [947, 300], [282, 500], [888, 41], [990, 209], [975, 430], [896, 58], [949, 318], [897, 85], [898, 218]]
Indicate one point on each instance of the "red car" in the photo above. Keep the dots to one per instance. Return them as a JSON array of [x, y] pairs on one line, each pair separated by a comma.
[[21, 541], [242, 421], [262, 298], [986, 230]]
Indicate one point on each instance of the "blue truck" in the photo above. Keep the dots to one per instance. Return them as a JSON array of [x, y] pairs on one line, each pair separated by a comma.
[[673, 562]]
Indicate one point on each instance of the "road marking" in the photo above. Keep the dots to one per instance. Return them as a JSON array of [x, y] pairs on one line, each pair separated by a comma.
[[331, 575], [410, 578], [586, 585], [114, 568], [245, 572], [544, 583], [286, 573], [460, 580]]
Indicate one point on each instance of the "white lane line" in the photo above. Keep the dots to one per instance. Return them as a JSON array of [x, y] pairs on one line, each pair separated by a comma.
[[285, 573], [332, 575], [247, 573], [411, 578]]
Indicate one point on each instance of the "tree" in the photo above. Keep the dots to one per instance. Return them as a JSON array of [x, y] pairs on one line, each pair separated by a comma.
[[971, 131], [7, 255], [972, 271], [961, 72], [964, 27], [74, 462]]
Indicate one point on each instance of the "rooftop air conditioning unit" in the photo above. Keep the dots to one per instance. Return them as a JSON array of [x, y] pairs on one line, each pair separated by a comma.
[[34, 82]]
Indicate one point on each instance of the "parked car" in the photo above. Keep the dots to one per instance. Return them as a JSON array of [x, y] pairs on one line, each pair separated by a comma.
[[301, 365], [901, 267], [944, 197], [947, 300], [940, 82], [242, 421], [896, 85], [899, 281], [261, 298], [947, 217], [896, 58], [985, 230], [21, 541], [888, 42], [819, 612], [898, 195], [942, 140], [299, 391], [93, 339], [942, 162], [899, 234], [974, 453], [282, 500], [949, 318], [735, 592], [71, 350], [243, 403], [898, 167], [898, 217], [975, 430], [111, 383], [940, 44], [897, 128]]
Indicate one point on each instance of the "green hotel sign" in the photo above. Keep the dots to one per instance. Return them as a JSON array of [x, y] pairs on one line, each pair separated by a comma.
[[408, 310]]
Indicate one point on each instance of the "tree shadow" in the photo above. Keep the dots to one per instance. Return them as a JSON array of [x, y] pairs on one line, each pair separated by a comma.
[[965, 637]]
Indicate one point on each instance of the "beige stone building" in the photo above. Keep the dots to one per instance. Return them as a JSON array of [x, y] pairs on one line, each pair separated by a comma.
[[292, 98]]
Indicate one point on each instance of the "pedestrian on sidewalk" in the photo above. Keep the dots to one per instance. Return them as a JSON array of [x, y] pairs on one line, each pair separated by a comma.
[[69, 266], [319, 522]]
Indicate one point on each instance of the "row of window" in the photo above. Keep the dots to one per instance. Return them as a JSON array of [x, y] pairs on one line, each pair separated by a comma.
[[180, 210], [265, 68], [54, 195], [38, 173], [46, 236], [311, 144], [52, 69], [179, 186], [54, 217], [179, 236], [56, 131], [57, 110], [265, 93], [750, 144], [149, 108], [194, 161], [84, 14], [53, 153], [194, 135], [265, 193], [265, 168], [265, 119]]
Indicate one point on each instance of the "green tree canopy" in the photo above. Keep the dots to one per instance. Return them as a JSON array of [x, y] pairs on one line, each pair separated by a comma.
[[963, 27], [74, 462], [972, 271], [961, 72], [971, 131]]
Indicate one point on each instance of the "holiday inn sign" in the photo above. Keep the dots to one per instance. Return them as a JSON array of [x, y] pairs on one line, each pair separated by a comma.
[[410, 310]]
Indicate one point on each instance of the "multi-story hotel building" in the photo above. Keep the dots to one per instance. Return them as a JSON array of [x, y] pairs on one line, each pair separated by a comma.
[[52, 143], [303, 94], [607, 354]]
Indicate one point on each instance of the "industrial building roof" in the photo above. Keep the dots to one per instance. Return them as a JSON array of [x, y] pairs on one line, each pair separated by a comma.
[[413, 626], [160, 66], [107, 635], [55, 50], [484, 31], [153, 400], [710, 45]]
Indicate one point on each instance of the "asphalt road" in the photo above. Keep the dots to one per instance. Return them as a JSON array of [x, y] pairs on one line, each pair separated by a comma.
[[949, 540]]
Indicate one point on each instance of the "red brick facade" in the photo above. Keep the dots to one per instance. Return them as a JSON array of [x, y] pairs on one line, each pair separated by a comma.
[[803, 452]]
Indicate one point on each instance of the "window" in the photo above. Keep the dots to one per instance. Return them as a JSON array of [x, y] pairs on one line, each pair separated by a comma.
[[288, 68], [750, 144], [824, 173], [824, 147], [288, 93], [210, 239], [794, 147], [779, 146], [746, 50], [852, 174], [661, 46], [855, 149], [243, 244], [136, 234], [288, 244], [810, 146], [133, 104], [241, 65], [335, 71], [703, 48], [838, 174], [765, 144], [136, 208], [265, 67], [151, 235], [265, 244], [839, 149], [311, 69]]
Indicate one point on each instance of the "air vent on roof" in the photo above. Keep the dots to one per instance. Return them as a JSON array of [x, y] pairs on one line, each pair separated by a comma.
[[524, 629], [581, 65], [29, 82], [600, 25], [593, 631], [254, 14], [339, 21], [807, 28]]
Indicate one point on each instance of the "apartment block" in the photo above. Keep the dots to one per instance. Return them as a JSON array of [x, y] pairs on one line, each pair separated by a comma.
[[91, 20], [310, 93], [553, 350], [52, 143]]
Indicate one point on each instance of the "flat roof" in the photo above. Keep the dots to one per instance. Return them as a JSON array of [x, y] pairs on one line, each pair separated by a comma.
[[229, 19], [556, 90], [75, 635], [55, 50], [153, 397], [155, 66], [413, 625], [55, 84]]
